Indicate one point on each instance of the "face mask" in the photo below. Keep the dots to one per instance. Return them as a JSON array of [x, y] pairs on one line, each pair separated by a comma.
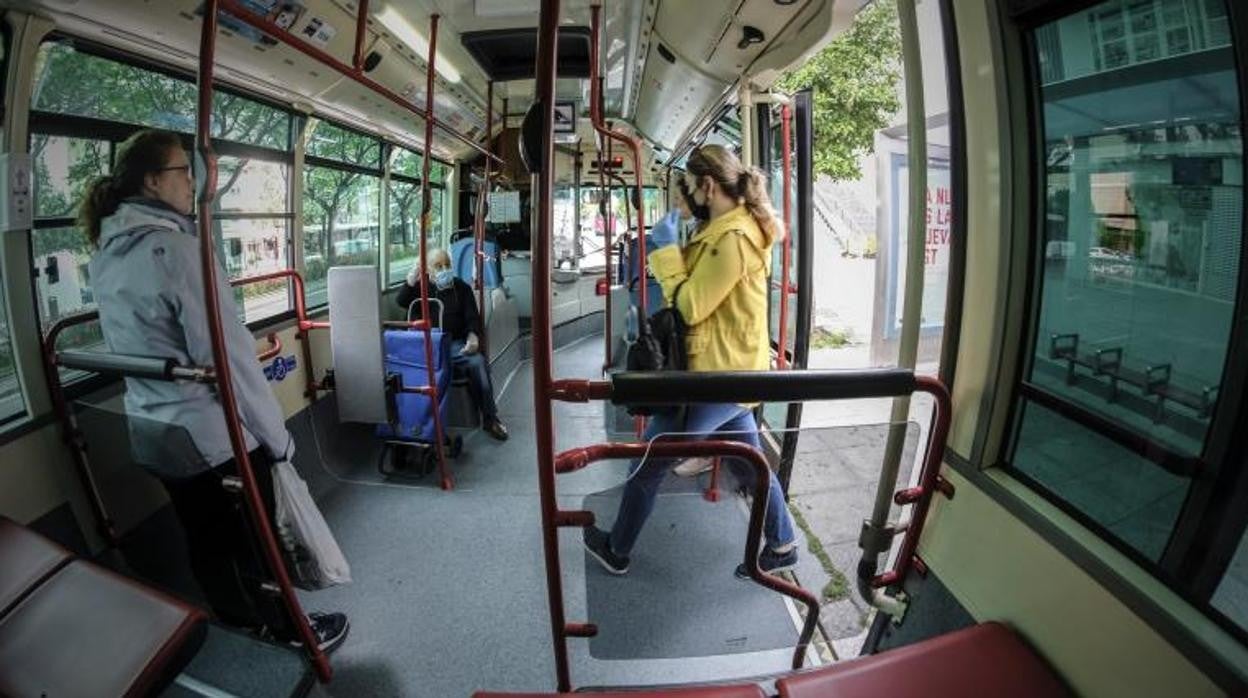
[[701, 212], [443, 278]]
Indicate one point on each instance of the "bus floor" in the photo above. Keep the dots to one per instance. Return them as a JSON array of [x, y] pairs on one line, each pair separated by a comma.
[[449, 592]]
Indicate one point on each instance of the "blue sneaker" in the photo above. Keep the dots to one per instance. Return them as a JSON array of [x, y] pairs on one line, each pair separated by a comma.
[[770, 562]]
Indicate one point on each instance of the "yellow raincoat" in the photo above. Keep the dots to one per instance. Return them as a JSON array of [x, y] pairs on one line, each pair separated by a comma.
[[724, 300]]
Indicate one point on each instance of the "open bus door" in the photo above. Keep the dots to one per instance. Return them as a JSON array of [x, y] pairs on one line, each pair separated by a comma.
[[786, 155]]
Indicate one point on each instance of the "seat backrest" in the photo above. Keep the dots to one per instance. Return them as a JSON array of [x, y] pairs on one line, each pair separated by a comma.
[[464, 263], [355, 338], [983, 660], [72, 628], [731, 691], [26, 560]]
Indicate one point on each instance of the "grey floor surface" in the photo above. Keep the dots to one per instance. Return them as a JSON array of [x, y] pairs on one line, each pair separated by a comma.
[[449, 593]]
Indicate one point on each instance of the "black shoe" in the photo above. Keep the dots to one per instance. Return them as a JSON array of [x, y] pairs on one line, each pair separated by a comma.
[[770, 562], [495, 429], [598, 543], [330, 630]]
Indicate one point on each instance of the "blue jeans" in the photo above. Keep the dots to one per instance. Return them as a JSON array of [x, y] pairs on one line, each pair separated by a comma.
[[477, 370], [702, 420]]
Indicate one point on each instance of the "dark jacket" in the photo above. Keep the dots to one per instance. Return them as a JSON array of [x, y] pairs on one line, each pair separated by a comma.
[[459, 308]]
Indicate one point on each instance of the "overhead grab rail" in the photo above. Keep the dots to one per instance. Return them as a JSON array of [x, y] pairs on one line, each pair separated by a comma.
[[220, 357], [355, 71]]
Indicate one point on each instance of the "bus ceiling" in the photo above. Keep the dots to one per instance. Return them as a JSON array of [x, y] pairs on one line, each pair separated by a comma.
[[667, 70]]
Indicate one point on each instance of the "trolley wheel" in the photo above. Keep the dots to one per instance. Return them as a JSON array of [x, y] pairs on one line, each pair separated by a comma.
[[428, 461]]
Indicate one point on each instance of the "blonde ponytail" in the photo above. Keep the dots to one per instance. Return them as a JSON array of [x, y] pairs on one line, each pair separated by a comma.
[[747, 185]]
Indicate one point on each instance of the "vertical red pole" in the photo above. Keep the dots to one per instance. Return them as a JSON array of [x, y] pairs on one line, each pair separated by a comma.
[[712, 490], [604, 210], [786, 252], [361, 24], [220, 358], [427, 207], [482, 207], [541, 337]]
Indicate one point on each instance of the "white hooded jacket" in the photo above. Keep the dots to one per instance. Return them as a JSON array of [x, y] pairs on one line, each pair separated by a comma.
[[148, 284]]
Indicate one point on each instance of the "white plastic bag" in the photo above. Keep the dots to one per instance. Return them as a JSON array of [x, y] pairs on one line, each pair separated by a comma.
[[312, 554]]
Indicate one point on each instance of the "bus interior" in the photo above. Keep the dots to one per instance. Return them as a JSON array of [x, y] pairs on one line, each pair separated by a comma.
[[1022, 476]]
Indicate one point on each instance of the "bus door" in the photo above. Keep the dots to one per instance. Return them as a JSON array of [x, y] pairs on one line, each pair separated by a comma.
[[784, 153]]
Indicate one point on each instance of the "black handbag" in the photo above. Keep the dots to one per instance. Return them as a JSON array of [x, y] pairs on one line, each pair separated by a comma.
[[660, 346]]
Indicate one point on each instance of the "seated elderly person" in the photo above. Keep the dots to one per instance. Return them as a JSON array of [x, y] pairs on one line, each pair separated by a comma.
[[462, 321]]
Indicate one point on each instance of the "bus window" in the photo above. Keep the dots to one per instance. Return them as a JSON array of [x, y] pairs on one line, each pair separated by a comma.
[[252, 204], [1137, 260], [341, 203], [12, 404], [404, 204]]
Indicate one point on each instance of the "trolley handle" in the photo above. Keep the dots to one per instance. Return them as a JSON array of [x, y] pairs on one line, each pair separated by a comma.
[[441, 310]]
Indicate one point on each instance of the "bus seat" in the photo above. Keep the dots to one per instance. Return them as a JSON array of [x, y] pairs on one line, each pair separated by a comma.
[[464, 262], [27, 559], [82, 630], [733, 691], [984, 660]]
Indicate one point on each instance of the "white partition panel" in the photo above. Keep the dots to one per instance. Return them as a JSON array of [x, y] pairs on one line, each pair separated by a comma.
[[355, 339]]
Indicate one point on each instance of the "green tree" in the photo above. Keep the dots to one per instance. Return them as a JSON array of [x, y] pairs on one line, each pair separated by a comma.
[[854, 80]]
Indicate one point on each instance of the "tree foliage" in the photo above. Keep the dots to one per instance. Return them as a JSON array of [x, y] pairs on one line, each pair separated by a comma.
[[854, 81], [80, 84]]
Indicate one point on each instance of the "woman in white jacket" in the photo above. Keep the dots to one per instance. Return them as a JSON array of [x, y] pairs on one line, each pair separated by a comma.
[[148, 283]]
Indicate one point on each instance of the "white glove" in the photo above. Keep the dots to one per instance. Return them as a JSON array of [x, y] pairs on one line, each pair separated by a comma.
[[471, 345], [413, 276]]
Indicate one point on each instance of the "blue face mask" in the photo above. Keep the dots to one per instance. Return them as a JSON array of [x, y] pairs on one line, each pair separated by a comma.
[[443, 278]]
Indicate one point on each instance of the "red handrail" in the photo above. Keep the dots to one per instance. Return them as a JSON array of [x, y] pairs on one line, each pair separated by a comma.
[[930, 481], [220, 357], [275, 347], [355, 73], [577, 458], [634, 145], [311, 386], [786, 253], [604, 210], [71, 434]]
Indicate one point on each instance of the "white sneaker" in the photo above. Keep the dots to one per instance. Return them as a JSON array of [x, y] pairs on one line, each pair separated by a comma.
[[692, 467]]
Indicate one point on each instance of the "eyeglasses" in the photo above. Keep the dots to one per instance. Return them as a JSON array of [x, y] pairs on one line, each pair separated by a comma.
[[184, 168]]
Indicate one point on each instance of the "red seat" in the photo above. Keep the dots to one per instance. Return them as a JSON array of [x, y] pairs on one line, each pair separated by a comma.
[[986, 660], [741, 691], [26, 560], [77, 629]]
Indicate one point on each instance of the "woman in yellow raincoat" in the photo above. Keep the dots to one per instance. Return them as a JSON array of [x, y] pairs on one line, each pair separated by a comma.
[[719, 283]]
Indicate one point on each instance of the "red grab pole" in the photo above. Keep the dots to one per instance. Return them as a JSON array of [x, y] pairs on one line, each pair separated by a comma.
[[482, 209], [547, 49], [426, 207], [220, 358], [786, 252]]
